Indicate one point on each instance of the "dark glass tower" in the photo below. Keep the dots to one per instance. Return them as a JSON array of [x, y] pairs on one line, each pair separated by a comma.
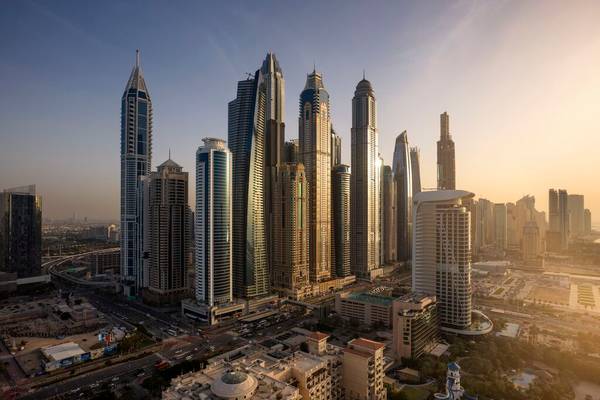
[[403, 177], [136, 156], [21, 232], [246, 138], [446, 169], [341, 219]]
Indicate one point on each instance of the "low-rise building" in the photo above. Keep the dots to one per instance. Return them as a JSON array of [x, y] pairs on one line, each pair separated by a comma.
[[368, 308], [415, 325]]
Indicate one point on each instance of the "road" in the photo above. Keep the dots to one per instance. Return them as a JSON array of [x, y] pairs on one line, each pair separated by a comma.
[[123, 371]]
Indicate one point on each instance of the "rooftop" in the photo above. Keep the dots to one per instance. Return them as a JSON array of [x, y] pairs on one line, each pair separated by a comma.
[[62, 351], [318, 336], [371, 298], [441, 195], [366, 343]]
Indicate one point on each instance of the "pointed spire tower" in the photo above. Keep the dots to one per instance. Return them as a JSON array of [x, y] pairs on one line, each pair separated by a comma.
[[136, 157]]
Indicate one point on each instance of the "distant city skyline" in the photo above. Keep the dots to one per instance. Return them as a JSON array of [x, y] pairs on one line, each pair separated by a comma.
[[523, 119]]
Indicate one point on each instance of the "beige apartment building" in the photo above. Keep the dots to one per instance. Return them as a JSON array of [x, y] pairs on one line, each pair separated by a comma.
[[363, 370], [290, 272]]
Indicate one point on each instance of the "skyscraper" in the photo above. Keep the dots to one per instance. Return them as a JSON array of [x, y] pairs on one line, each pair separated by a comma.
[[166, 226], [415, 169], [246, 137], [380, 235], [576, 209], [292, 150], [553, 214], [389, 216], [341, 220], [501, 226], [274, 88], [587, 222], [442, 253], [21, 232], [136, 157], [404, 185], [315, 153], [336, 149], [290, 232], [446, 168], [364, 184], [564, 222], [213, 233]]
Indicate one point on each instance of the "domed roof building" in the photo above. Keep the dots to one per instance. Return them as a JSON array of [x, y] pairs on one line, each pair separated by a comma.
[[234, 385]]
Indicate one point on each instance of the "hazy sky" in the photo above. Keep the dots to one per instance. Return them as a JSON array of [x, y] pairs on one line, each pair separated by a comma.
[[520, 80]]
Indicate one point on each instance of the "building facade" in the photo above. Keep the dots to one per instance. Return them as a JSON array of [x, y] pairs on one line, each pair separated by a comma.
[[167, 240], [564, 219], [290, 274], [274, 89], [246, 139], [364, 184], [446, 164], [213, 231], [365, 307], [21, 232], [501, 226], [314, 126], [389, 216], [403, 177], [415, 169], [363, 370], [415, 325], [576, 208], [136, 158], [441, 258], [341, 220]]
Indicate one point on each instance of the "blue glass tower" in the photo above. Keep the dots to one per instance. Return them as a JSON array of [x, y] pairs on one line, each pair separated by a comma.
[[136, 156]]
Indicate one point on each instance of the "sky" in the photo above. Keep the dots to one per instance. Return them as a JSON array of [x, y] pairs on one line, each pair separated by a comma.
[[520, 80]]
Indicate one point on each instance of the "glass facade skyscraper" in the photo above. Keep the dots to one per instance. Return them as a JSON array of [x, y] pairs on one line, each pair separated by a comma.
[[213, 224], [136, 156], [246, 138], [21, 232], [403, 177]]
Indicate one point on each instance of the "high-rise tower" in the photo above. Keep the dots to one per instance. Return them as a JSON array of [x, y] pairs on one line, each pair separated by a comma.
[[441, 254], [167, 238], [214, 288], [246, 137], [446, 167], [21, 232], [564, 219], [341, 219], [364, 184], [273, 85], [290, 232], [389, 216], [136, 157], [415, 169], [314, 126], [403, 177]]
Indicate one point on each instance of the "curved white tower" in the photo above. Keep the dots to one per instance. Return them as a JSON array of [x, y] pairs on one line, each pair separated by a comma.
[[441, 260]]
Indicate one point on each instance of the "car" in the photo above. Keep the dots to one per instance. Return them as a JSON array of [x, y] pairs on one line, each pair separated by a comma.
[[75, 390], [188, 358], [94, 385], [115, 379]]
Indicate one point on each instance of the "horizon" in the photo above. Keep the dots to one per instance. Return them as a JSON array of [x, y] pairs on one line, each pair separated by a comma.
[[524, 120]]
